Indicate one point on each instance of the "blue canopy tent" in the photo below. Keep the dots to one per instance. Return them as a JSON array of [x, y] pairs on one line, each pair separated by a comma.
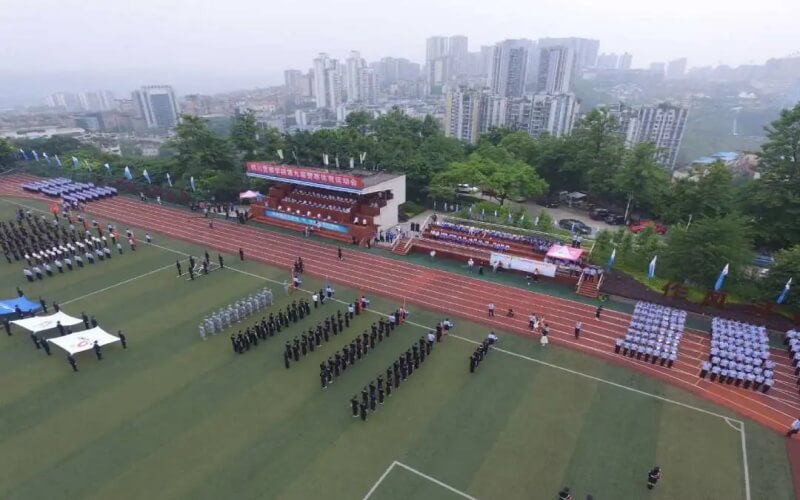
[[7, 306]]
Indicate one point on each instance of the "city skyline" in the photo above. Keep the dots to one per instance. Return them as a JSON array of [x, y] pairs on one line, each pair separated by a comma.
[[236, 52]]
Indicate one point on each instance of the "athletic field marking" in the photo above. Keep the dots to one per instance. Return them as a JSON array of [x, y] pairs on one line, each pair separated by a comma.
[[76, 299], [510, 353], [420, 474]]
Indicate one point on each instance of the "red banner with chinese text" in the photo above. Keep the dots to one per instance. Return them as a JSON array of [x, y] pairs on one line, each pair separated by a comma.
[[304, 174]]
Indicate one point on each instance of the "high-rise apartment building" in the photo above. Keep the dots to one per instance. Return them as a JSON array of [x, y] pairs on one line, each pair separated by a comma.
[[435, 47], [64, 100], [556, 70], [607, 61], [292, 78], [494, 112], [677, 69], [457, 48], [662, 124], [462, 113], [508, 68], [625, 61], [486, 58], [367, 86], [553, 114], [327, 82], [355, 63], [157, 105], [585, 49], [658, 68]]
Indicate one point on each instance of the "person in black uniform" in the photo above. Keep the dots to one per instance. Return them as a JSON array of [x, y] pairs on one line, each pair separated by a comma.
[[653, 476], [178, 265], [45, 346], [354, 406], [97, 350], [56, 307], [363, 411], [7, 326], [221, 262], [35, 340], [347, 321], [323, 376], [43, 304], [123, 339], [85, 319], [233, 344], [241, 254], [364, 396], [472, 363], [286, 359], [72, 362], [296, 350], [372, 402]]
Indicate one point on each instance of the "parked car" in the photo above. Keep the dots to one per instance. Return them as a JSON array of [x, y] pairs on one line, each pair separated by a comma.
[[613, 219], [574, 225], [466, 189], [763, 259], [598, 213], [551, 202], [638, 227]]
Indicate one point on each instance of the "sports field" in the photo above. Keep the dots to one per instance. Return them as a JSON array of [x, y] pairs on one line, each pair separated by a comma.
[[175, 417]]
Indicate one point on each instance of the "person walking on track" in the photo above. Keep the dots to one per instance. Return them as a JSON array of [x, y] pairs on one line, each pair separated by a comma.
[[241, 254], [491, 310], [339, 252], [598, 311]]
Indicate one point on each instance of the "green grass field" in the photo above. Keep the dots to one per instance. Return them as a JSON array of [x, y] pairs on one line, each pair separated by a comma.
[[175, 417]]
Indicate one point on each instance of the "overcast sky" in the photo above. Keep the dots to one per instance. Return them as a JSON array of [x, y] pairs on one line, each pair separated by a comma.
[[208, 45]]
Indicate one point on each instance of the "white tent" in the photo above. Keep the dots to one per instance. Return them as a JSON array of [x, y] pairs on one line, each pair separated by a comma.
[[83, 341], [249, 195], [41, 323]]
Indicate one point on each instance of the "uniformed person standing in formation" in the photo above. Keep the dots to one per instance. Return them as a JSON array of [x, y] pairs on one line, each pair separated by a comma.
[[376, 392], [481, 352], [72, 362]]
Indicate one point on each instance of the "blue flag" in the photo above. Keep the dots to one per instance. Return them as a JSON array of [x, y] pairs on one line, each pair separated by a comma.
[[785, 292], [24, 154], [146, 176], [611, 259], [35, 155], [76, 163], [127, 173], [191, 183], [651, 269], [58, 162], [169, 180], [721, 279]]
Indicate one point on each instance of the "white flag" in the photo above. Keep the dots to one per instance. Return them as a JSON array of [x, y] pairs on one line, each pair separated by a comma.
[[280, 154]]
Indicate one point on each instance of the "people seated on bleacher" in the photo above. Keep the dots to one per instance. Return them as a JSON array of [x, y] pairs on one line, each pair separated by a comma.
[[313, 204], [538, 243], [465, 240]]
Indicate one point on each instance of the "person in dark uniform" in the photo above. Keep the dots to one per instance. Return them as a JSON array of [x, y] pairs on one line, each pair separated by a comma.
[[372, 402], [43, 304], [178, 265], [364, 396], [296, 350], [221, 262], [653, 476], [56, 307], [363, 411], [598, 311], [339, 252], [93, 321], [241, 254], [7, 326], [123, 339], [85, 319], [354, 406], [97, 350], [45, 346], [233, 344], [35, 340], [565, 494], [191, 273], [323, 376], [72, 362], [472, 363]]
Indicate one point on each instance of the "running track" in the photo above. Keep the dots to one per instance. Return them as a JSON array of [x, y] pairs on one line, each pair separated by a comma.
[[454, 295]]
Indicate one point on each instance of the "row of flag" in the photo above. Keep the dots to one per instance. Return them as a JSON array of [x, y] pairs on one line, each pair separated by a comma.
[[77, 164], [651, 272]]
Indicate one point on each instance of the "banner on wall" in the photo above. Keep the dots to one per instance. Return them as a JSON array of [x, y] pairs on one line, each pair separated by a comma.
[[308, 221], [312, 175], [523, 264]]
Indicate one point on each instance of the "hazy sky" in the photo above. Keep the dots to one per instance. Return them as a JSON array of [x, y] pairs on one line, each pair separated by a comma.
[[207, 45]]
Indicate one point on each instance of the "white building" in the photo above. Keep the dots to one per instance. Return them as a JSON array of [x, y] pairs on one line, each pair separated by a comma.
[[157, 105], [553, 114], [662, 124], [494, 112], [368, 86], [462, 112], [355, 63], [677, 69], [585, 50], [327, 82], [508, 68], [557, 66], [457, 49], [625, 61]]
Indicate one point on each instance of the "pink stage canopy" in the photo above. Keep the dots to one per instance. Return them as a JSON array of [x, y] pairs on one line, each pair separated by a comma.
[[562, 252]]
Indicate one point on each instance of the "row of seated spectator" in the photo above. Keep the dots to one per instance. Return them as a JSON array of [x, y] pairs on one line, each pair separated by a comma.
[[322, 195], [539, 244], [362, 221], [470, 241], [315, 204], [739, 355], [655, 333]]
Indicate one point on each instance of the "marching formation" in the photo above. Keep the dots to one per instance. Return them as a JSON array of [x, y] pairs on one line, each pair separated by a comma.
[[307, 342], [376, 391], [235, 313], [477, 357]]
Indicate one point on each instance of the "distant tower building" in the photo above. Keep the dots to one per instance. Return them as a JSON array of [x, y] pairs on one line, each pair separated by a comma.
[[437, 63], [293, 79], [462, 114], [64, 100], [553, 114], [658, 68], [435, 47], [585, 49], [556, 70], [457, 48], [354, 66], [625, 61], [157, 105], [607, 61], [368, 86], [677, 69], [494, 112], [662, 124], [327, 82], [486, 59], [508, 68]]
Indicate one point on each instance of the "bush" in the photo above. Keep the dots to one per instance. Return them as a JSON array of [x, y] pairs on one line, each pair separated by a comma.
[[411, 209]]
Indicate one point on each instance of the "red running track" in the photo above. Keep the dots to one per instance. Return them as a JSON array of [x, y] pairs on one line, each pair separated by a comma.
[[456, 295]]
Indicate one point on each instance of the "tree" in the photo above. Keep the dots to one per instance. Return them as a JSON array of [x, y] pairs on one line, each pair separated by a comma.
[[641, 178], [244, 135], [598, 148], [773, 200], [7, 152], [787, 265], [699, 253], [495, 172], [360, 121], [198, 149]]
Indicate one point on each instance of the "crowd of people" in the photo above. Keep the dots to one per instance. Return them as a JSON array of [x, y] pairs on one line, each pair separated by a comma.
[[316, 205], [377, 390], [234, 313], [739, 355], [358, 347], [654, 334], [481, 352], [305, 343], [476, 236], [268, 327]]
